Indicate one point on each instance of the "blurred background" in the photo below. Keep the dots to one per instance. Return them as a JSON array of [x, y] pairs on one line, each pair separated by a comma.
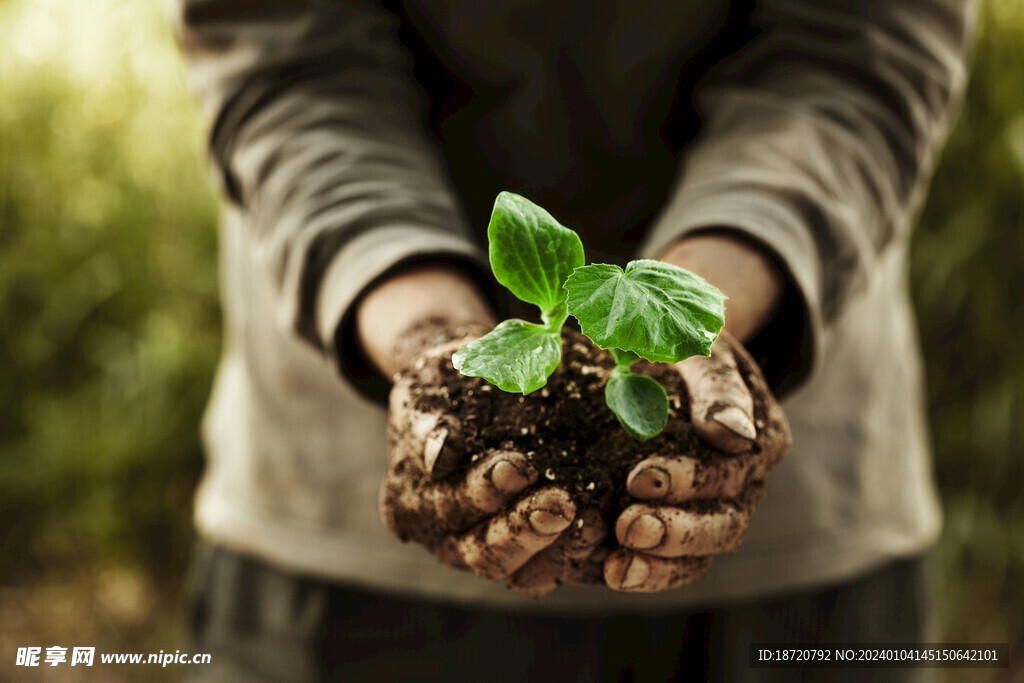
[[109, 335]]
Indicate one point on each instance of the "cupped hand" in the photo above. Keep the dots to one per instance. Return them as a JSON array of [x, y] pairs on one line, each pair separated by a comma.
[[495, 520], [692, 510]]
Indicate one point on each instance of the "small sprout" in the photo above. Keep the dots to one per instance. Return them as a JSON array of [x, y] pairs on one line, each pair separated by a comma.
[[650, 310], [590, 486], [549, 474]]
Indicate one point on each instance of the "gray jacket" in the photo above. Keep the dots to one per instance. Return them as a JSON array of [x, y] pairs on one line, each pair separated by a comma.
[[351, 137]]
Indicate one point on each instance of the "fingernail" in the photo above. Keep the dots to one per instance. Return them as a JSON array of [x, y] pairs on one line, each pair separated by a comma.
[[432, 446], [547, 522], [508, 478], [650, 483], [553, 511], [736, 421], [646, 531], [636, 573]]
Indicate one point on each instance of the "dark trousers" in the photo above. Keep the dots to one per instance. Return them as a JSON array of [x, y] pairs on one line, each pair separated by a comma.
[[263, 625]]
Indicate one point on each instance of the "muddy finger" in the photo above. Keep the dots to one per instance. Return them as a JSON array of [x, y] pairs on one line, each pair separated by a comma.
[[430, 438], [407, 427], [678, 479], [629, 571], [721, 406], [454, 507], [562, 561], [418, 436], [488, 487], [673, 532], [502, 544]]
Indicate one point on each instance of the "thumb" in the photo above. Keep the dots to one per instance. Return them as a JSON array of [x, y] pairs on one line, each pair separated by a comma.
[[721, 406]]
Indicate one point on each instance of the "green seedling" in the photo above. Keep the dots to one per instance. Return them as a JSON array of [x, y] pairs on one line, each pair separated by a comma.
[[650, 310]]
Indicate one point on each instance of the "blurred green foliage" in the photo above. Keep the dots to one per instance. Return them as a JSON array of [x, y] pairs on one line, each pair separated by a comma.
[[108, 299], [109, 309], [967, 280]]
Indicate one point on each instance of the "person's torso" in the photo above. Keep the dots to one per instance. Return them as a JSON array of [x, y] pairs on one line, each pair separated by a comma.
[[582, 109], [586, 112]]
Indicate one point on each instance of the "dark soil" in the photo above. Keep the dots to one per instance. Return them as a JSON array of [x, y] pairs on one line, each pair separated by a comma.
[[570, 435]]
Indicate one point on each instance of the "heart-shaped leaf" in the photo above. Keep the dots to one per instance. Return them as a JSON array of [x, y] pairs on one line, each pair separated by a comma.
[[658, 311]]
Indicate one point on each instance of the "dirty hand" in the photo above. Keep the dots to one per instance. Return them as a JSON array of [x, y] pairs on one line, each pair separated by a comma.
[[693, 510], [495, 521]]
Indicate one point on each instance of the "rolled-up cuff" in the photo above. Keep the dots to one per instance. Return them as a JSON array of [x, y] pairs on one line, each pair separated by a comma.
[[365, 261]]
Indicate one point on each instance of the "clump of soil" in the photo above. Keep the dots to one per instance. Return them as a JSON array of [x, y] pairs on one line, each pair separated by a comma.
[[566, 429]]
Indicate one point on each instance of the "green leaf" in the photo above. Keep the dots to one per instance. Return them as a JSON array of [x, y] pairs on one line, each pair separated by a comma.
[[656, 310], [639, 402], [530, 252], [516, 356]]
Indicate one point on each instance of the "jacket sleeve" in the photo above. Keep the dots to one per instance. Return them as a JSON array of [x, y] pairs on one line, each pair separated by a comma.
[[319, 137], [818, 137]]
